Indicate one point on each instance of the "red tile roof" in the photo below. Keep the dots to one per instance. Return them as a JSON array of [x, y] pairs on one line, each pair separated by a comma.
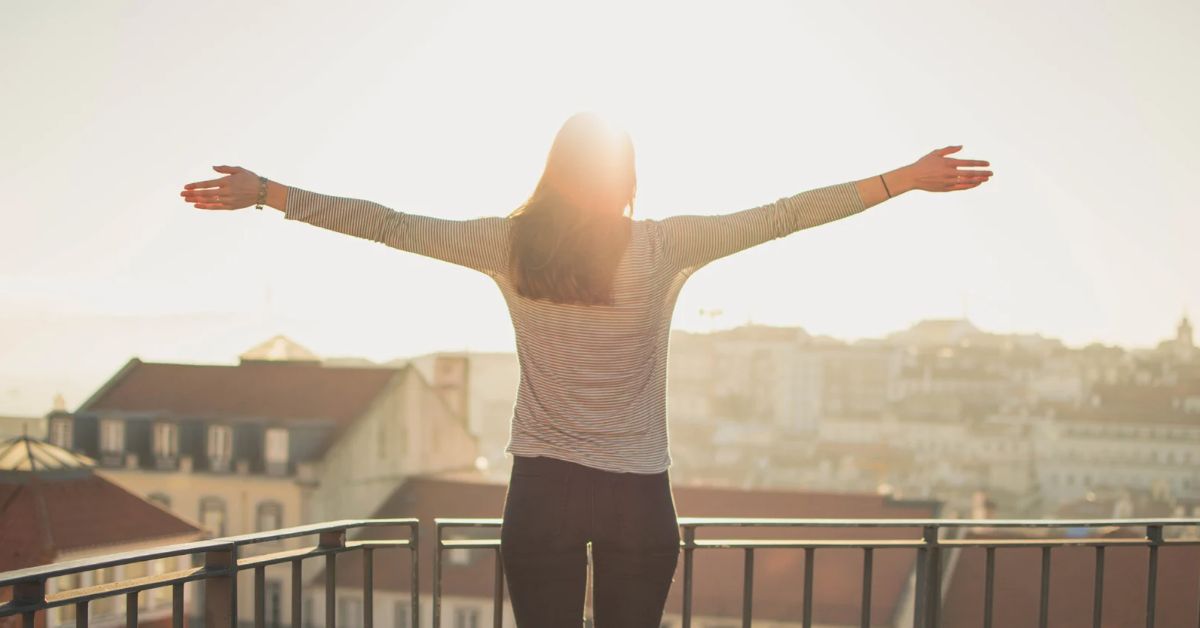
[[779, 574], [258, 390], [1018, 587], [43, 517]]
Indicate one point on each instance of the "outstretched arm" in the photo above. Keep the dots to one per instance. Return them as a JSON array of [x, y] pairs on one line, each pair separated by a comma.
[[691, 241], [478, 243]]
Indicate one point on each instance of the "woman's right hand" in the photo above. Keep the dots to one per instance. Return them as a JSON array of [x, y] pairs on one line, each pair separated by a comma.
[[935, 172]]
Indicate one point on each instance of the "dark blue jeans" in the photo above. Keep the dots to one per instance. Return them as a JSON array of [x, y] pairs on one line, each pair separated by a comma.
[[552, 509]]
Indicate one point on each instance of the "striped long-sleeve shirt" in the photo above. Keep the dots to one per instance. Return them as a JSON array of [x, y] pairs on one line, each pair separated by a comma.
[[593, 379]]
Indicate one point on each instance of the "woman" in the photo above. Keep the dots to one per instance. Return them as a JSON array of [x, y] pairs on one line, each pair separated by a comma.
[[590, 291]]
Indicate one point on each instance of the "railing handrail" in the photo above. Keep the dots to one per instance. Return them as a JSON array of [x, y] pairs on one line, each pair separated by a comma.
[[228, 543], [877, 523]]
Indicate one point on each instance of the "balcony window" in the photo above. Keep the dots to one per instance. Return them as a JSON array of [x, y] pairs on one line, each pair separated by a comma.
[[275, 449], [212, 515], [220, 447], [403, 613], [274, 614], [61, 433], [112, 436], [166, 441], [349, 612], [270, 516], [465, 617]]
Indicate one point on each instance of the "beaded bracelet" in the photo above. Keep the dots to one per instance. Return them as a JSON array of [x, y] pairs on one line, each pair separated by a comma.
[[262, 191]]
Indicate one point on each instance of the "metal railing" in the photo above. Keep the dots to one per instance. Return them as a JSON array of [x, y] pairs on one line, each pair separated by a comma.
[[221, 562], [926, 580]]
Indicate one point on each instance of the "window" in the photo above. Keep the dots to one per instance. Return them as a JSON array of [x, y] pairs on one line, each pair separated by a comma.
[[403, 613], [274, 603], [349, 612], [270, 516], [212, 515], [60, 433], [220, 447], [166, 440], [466, 617], [112, 436], [276, 446]]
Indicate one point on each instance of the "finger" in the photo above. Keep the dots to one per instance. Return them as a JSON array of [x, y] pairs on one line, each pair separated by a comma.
[[204, 194], [207, 184], [213, 206], [947, 150], [967, 162]]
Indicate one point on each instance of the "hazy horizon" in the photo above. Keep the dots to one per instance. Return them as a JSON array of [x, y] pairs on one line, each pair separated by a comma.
[[1083, 109]]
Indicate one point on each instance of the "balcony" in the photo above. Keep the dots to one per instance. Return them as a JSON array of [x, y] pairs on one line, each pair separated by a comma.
[[218, 563]]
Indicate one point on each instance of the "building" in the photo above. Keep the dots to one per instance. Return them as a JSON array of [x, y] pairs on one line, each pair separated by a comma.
[[54, 508], [482, 387], [275, 441]]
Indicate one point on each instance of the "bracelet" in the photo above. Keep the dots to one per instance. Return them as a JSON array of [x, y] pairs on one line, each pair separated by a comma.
[[262, 191], [885, 187]]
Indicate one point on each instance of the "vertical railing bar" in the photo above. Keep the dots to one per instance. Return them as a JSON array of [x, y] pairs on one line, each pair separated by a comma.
[[177, 605], [747, 587], [260, 597], [131, 610], [331, 539], [1044, 604], [1098, 589], [233, 587], [934, 607], [81, 614], [177, 610], [689, 542], [929, 578], [297, 593], [368, 588], [868, 560], [810, 556], [1154, 534], [437, 577], [498, 604], [330, 591], [989, 586], [414, 547], [921, 573], [29, 619]]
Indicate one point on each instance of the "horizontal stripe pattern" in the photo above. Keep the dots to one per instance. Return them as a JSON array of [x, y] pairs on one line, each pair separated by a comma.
[[593, 379]]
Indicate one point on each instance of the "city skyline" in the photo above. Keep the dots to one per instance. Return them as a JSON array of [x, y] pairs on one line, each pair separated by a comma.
[[36, 400]]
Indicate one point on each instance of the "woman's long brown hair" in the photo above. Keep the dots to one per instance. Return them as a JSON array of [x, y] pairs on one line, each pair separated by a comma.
[[568, 237]]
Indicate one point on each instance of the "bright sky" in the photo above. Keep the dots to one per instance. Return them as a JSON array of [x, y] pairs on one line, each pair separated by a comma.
[[1085, 109]]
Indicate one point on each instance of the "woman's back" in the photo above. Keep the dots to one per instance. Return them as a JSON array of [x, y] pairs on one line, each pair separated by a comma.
[[593, 377]]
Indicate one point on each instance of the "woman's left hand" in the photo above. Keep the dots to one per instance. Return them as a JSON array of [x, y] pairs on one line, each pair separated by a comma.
[[237, 190]]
